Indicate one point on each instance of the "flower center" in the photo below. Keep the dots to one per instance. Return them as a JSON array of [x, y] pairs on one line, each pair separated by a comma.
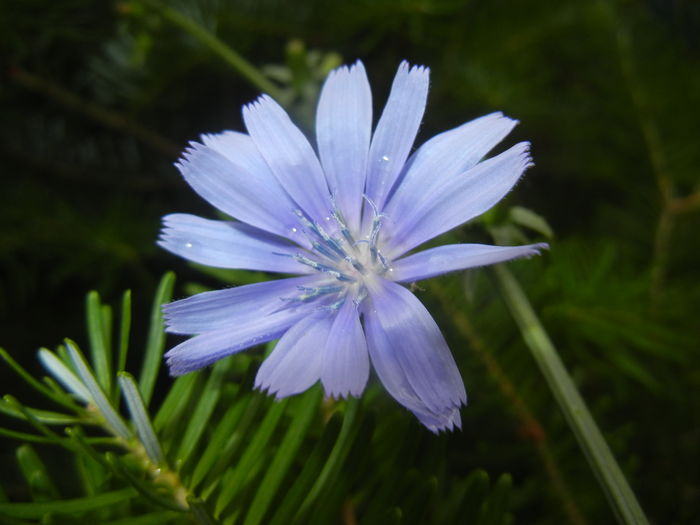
[[350, 262]]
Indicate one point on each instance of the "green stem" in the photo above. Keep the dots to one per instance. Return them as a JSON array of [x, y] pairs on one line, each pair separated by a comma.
[[230, 56], [622, 499]]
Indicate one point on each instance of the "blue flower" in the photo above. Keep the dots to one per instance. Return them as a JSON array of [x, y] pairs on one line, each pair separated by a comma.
[[343, 217]]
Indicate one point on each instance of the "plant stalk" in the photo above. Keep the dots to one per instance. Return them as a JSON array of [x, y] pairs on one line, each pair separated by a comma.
[[229, 55], [613, 482]]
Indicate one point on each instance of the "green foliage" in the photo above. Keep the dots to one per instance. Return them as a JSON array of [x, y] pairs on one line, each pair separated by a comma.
[[216, 451]]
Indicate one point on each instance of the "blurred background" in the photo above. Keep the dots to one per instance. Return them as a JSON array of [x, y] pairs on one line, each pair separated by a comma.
[[98, 98]]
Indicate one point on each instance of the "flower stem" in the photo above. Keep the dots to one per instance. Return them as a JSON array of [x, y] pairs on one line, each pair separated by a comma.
[[229, 55], [613, 482]]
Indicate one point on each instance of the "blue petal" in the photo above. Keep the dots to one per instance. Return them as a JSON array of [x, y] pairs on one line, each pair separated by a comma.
[[230, 174], [205, 349], [462, 198], [295, 363], [289, 155], [215, 310], [451, 257], [343, 131], [412, 358], [225, 244], [444, 157], [345, 360], [396, 130]]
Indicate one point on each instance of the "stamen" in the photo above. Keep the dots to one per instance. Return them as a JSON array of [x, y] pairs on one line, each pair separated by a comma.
[[333, 307], [321, 234], [323, 268], [382, 259], [361, 296], [324, 251], [374, 232], [319, 290], [338, 216], [356, 264]]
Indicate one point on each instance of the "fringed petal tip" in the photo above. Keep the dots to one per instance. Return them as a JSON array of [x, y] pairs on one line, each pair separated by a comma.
[[189, 154], [406, 68], [341, 394], [448, 421], [279, 391], [259, 102], [524, 155]]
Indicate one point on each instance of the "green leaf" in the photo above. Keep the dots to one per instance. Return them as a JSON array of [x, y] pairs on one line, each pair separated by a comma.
[[45, 416], [137, 409], [152, 518], [93, 474], [218, 439], [97, 394], [244, 469], [200, 512], [23, 436], [530, 219], [311, 469], [64, 375], [124, 330], [80, 443], [286, 453], [176, 401], [335, 459], [475, 491], [100, 347], [62, 400], [204, 408], [156, 338], [495, 509], [228, 452], [31, 419], [34, 471], [146, 489], [36, 510]]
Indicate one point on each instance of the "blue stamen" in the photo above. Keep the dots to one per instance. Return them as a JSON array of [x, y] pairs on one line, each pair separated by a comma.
[[323, 268], [321, 234], [338, 216]]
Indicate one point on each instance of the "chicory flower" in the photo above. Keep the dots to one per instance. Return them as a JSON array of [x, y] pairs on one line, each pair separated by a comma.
[[344, 218]]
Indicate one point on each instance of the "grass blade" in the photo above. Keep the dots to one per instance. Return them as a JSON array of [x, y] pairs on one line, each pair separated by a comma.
[[204, 408], [34, 471], [137, 409], [282, 461], [152, 518], [336, 458], [156, 338], [61, 400], [100, 347], [310, 471], [146, 489], [35, 510], [124, 330], [217, 442], [45, 416], [252, 455], [56, 367], [99, 397], [176, 400]]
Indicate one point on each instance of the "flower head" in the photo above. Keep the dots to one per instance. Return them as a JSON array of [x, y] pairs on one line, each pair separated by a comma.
[[343, 218]]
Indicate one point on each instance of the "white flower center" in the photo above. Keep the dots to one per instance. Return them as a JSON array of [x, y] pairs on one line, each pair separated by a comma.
[[351, 263]]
